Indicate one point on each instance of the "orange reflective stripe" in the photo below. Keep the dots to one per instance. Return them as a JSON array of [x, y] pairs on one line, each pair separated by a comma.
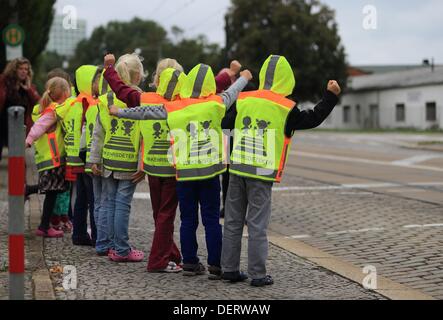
[[53, 147], [152, 98], [81, 96], [181, 104], [142, 158], [268, 95], [283, 159], [49, 109]]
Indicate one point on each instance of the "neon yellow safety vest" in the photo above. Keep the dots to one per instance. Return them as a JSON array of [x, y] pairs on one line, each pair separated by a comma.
[[49, 149], [157, 161], [62, 111], [198, 143], [73, 122], [91, 118], [122, 138], [260, 146]]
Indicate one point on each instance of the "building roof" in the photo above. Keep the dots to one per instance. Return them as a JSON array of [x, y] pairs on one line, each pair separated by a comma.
[[374, 69], [398, 79]]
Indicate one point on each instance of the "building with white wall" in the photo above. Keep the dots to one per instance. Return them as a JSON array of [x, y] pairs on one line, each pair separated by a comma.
[[64, 41], [402, 99]]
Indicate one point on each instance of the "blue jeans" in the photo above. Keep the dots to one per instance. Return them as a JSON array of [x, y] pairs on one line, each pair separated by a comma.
[[205, 193], [116, 202], [103, 243], [83, 203]]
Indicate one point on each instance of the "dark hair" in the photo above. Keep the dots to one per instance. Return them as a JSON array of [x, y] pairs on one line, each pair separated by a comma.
[[59, 73]]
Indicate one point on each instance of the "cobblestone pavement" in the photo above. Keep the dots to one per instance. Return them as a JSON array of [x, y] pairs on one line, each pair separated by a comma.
[[99, 278], [4, 274], [401, 236]]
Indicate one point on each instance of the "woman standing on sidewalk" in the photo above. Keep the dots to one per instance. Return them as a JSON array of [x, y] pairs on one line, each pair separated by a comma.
[[16, 89]]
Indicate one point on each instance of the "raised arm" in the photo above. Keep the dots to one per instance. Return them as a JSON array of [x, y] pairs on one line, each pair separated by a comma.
[[310, 119], [125, 93], [154, 112], [231, 95], [41, 127]]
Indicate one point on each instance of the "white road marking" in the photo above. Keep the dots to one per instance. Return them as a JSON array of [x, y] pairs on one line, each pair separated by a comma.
[[302, 236], [361, 160], [414, 226], [354, 231], [359, 186], [416, 159], [147, 195], [142, 196]]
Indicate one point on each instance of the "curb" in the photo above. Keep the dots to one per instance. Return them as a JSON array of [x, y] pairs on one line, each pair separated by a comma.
[[385, 287], [41, 279]]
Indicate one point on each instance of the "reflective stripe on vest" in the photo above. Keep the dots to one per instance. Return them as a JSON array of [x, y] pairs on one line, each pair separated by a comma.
[[72, 122], [129, 166], [46, 165], [91, 118], [260, 146], [49, 149], [197, 173], [159, 171]]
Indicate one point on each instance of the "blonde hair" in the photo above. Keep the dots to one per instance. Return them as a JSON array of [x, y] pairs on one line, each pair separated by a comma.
[[162, 66], [130, 69], [56, 89]]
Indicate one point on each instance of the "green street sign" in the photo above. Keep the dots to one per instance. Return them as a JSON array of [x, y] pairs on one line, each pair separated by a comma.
[[13, 35]]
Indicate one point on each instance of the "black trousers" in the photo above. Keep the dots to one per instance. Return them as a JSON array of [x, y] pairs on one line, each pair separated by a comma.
[[48, 209]]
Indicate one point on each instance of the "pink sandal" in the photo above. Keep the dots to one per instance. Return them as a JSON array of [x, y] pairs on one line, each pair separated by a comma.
[[133, 256], [51, 233]]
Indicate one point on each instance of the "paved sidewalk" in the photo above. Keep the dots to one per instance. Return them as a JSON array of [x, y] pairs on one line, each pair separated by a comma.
[[366, 229], [98, 278]]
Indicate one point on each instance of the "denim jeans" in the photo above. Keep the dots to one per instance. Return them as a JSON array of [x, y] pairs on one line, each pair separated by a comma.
[[116, 202], [205, 193], [103, 243]]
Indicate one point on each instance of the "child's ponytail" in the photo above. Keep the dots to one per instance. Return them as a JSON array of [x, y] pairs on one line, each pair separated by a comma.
[[130, 69], [45, 101], [56, 89]]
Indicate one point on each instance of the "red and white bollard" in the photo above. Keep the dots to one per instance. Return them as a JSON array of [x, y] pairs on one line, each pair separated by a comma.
[[16, 182]]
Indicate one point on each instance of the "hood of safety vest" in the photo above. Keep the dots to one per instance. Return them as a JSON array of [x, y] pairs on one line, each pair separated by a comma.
[[277, 75], [200, 83], [84, 77], [171, 83]]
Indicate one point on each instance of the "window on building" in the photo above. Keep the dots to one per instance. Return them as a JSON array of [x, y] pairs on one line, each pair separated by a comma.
[[431, 111], [346, 114], [400, 113], [358, 114]]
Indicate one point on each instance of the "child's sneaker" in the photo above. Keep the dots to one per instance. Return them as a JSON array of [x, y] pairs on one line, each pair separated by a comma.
[[215, 273], [67, 227], [191, 270], [50, 233], [172, 267], [234, 277], [267, 281]]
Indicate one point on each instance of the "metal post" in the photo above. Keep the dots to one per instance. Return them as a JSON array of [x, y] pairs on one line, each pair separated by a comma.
[[16, 183]]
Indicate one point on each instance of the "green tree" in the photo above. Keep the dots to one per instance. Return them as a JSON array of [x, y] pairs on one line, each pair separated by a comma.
[[35, 17], [190, 52], [121, 38], [152, 39], [304, 31]]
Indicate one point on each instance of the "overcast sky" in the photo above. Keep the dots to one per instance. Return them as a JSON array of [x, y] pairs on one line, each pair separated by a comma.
[[408, 30]]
